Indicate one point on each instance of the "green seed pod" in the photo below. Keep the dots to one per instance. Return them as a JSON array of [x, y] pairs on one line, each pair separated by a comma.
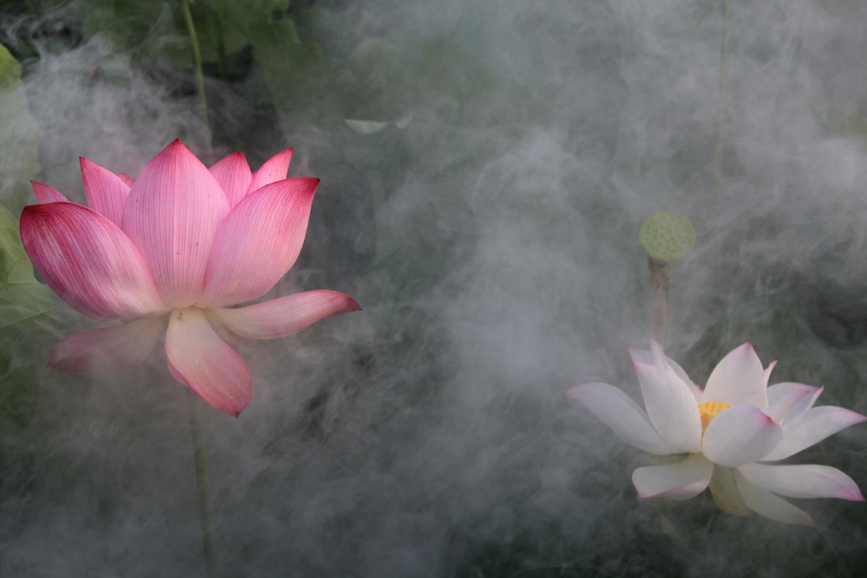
[[667, 236]]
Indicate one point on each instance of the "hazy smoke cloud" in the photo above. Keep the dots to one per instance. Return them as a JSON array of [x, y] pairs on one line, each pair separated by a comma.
[[430, 435]]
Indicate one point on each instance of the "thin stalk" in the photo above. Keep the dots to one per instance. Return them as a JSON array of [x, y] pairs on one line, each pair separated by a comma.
[[200, 458], [659, 278], [721, 103], [197, 62]]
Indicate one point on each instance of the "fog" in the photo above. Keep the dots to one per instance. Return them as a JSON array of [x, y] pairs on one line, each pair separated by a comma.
[[490, 232]]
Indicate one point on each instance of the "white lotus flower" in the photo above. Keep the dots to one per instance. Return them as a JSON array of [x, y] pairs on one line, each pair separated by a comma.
[[732, 431]]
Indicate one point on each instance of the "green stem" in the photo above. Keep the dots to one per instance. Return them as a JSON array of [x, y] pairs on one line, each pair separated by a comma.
[[720, 110], [201, 460], [197, 62]]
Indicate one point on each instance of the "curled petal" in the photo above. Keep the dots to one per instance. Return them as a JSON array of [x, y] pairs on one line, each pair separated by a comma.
[[766, 504], [46, 194], [803, 481], [789, 400], [258, 242], [273, 170], [207, 364], [106, 192], [811, 428], [680, 481], [725, 492], [286, 315], [625, 418], [738, 378], [671, 407], [172, 214], [109, 351], [233, 174], [88, 261], [739, 435]]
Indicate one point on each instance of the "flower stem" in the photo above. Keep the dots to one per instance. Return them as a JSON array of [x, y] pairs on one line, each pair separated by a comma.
[[201, 460], [659, 277], [197, 62]]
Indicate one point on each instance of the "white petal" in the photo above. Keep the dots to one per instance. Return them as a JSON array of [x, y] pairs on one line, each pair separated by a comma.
[[739, 435], [647, 358], [738, 378], [725, 493], [803, 481], [671, 407], [789, 400], [811, 428], [766, 504], [680, 481], [616, 410]]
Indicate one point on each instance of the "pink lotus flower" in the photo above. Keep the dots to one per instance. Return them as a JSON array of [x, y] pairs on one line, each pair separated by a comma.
[[172, 251], [732, 433]]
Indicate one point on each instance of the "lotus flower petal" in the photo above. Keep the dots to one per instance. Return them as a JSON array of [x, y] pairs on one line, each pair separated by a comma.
[[106, 192], [648, 358], [273, 170], [680, 481], [128, 180], [286, 315], [785, 400], [766, 504], [725, 492], [234, 175], [803, 481], [811, 428], [258, 242], [671, 407], [207, 364], [172, 215], [738, 378], [46, 194], [88, 261], [739, 435], [625, 418], [109, 351]]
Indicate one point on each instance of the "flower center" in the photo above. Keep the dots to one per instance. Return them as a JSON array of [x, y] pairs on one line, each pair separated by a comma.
[[709, 410]]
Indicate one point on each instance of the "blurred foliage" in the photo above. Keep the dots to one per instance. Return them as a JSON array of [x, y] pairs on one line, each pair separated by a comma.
[[841, 118], [23, 301], [19, 135]]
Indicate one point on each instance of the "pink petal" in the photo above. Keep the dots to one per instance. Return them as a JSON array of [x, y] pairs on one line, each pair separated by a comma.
[[258, 242], [739, 435], [286, 315], [110, 351], [671, 407], [766, 504], [803, 481], [128, 180], [738, 378], [88, 261], [106, 193], [788, 400], [680, 481], [725, 492], [625, 418], [233, 174], [204, 362], [172, 214], [273, 170], [46, 194], [811, 428]]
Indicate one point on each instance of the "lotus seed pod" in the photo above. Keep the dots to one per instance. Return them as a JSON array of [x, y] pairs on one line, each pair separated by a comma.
[[667, 236]]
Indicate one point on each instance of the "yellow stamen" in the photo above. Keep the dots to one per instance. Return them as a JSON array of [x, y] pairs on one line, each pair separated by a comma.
[[709, 410]]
